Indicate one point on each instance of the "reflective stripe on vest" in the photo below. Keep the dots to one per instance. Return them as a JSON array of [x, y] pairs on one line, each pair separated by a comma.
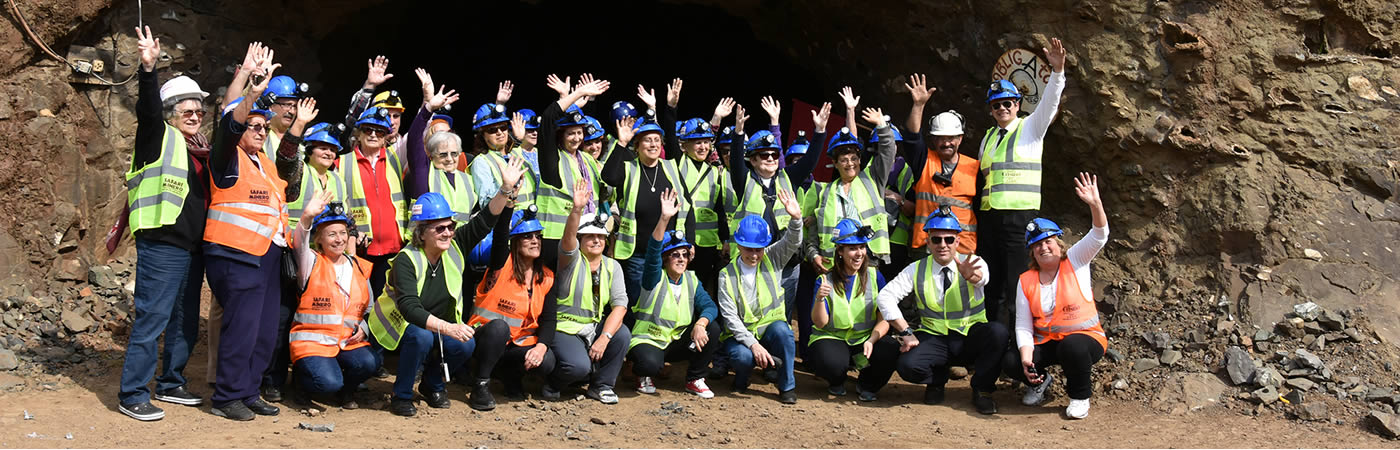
[[1073, 312], [155, 194], [850, 320], [386, 322], [1012, 172], [958, 195], [902, 230], [627, 205], [660, 319], [961, 307], [310, 187], [768, 307], [869, 206], [508, 301], [580, 307], [705, 194], [247, 215], [555, 202], [754, 201], [525, 188], [461, 197], [358, 204], [326, 316]]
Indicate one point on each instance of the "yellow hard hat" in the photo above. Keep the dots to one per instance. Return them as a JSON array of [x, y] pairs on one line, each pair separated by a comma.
[[388, 100]]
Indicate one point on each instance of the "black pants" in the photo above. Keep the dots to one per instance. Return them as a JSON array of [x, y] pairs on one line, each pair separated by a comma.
[[647, 360], [831, 359], [982, 347], [806, 297], [899, 259], [496, 354], [1001, 241], [379, 271], [1076, 355], [276, 373], [707, 263]]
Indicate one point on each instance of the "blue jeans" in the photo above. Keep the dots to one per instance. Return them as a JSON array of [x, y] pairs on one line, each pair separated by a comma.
[[632, 279], [418, 347], [345, 371], [160, 305], [777, 339]]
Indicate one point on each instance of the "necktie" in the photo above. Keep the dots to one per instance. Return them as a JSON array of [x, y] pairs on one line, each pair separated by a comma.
[[947, 279], [1001, 134]]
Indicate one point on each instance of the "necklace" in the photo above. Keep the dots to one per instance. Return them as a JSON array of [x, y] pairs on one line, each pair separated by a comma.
[[651, 179]]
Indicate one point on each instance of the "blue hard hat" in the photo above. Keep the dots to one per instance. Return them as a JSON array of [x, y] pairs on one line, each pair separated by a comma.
[[762, 140], [875, 136], [943, 219], [443, 117], [321, 132], [753, 232], [489, 114], [573, 117], [375, 116], [480, 255], [283, 86], [674, 240], [334, 212], [1039, 229], [799, 145], [621, 110], [594, 130], [726, 136], [430, 206], [532, 120], [523, 221], [696, 128], [1002, 89], [843, 138], [234, 104], [851, 232], [645, 125]]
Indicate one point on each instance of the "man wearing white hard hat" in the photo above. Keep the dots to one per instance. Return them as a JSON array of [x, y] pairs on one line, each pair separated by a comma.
[[166, 203]]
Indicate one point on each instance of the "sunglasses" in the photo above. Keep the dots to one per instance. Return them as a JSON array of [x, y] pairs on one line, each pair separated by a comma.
[[530, 237], [257, 129], [679, 254], [374, 132], [771, 156], [946, 240], [444, 228], [1004, 104], [191, 112], [495, 130]]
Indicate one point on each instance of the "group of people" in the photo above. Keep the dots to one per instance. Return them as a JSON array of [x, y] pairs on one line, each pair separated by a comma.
[[549, 245]]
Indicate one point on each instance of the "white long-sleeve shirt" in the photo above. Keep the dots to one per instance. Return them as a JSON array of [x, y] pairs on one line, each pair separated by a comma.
[[902, 284], [1038, 122], [1080, 254]]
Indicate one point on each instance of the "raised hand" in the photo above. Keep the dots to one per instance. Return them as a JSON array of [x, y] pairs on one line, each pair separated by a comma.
[[558, 85], [968, 269], [315, 205], [740, 116], [875, 116], [725, 107], [149, 47], [624, 130], [585, 79], [669, 205], [673, 93], [517, 126], [1086, 187], [593, 88], [503, 92], [512, 171], [582, 194], [823, 289], [789, 201], [306, 110], [772, 107], [442, 98], [250, 59], [1055, 55], [850, 98], [263, 60], [918, 90], [378, 72], [821, 116], [426, 81], [647, 96]]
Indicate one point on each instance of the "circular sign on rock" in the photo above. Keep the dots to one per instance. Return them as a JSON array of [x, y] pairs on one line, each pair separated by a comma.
[[1028, 71]]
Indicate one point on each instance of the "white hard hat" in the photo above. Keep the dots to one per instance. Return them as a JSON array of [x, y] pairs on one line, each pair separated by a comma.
[[948, 123], [180, 88], [589, 224]]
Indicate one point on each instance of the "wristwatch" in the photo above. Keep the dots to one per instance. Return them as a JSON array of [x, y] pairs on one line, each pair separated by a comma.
[[900, 335], [609, 335]]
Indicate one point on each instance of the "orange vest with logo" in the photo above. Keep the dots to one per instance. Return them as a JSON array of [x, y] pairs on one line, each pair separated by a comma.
[[512, 302], [1073, 313], [247, 215], [327, 315], [930, 194]]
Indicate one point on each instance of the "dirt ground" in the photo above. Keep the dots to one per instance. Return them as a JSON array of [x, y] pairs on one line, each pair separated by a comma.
[[82, 413]]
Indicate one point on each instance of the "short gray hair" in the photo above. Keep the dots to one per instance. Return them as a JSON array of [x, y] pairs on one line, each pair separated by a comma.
[[438, 139]]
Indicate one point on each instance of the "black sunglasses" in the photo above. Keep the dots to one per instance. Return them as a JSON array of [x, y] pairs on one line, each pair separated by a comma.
[[767, 155], [1004, 104], [946, 240]]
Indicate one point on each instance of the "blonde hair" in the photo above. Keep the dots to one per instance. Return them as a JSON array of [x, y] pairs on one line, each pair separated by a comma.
[[1064, 253]]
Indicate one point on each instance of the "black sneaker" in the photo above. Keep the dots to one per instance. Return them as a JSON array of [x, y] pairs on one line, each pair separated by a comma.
[[143, 411], [838, 390], [401, 407], [262, 408], [381, 373], [436, 399], [788, 397], [233, 411], [984, 402], [481, 399], [178, 395], [933, 395], [868, 396], [272, 393]]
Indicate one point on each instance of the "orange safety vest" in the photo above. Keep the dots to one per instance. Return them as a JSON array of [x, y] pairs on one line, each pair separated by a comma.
[[930, 194], [509, 301], [1073, 314], [247, 215], [326, 315]]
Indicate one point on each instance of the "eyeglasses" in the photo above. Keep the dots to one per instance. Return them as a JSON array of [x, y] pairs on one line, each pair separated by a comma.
[[1004, 104], [185, 114], [285, 104], [374, 132], [441, 155], [771, 156], [495, 130], [679, 254], [946, 240], [444, 228], [258, 129]]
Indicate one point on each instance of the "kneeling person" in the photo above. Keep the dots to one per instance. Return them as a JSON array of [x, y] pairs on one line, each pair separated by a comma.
[[847, 330]]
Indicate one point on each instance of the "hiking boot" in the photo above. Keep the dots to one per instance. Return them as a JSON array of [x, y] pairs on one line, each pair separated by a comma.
[[143, 411], [178, 395], [481, 399], [933, 395], [262, 408], [984, 403], [233, 411], [698, 387], [1035, 393], [402, 407]]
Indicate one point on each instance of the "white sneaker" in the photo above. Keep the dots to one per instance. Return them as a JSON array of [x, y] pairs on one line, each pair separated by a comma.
[[1078, 409], [645, 386], [699, 388], [1035, 394]]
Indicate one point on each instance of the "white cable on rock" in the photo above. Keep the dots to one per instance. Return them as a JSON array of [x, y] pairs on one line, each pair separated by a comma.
[[14, 8]]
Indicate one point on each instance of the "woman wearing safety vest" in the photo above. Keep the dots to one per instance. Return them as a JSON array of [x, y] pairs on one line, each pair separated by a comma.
[[641, 180], [590, 339], [593, 142], [329, 340], [322, 148], [1056, 320], [432, 160], [245, 233], [373, 174], [515, 310], [705, 187], [561, 163], [953, 328], [848, 332], [492, 127], [675, 316], [857, 194], [751, 300], [420, 312]]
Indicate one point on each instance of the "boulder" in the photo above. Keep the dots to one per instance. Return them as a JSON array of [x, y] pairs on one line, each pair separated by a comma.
[[76, 321], [8, 361], [1145, 364], [1308, 359], [1301, 384], [1386, 424], [1265, 395], [1267, 376], [1170, 357], [1189, 392], [1312, 411], [1239, 365]]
